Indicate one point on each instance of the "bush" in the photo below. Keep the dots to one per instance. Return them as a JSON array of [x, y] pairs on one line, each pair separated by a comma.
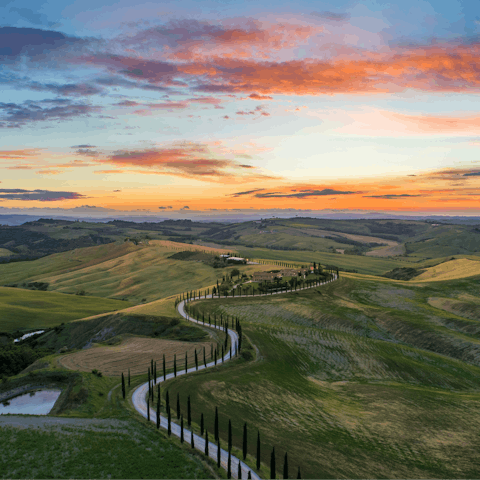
[[96, 372]]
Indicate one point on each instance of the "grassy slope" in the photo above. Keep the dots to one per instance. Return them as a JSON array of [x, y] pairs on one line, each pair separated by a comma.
[[124, 446], [4, 252], [27, 309], [365, 379], [367, 265], [120, 271]]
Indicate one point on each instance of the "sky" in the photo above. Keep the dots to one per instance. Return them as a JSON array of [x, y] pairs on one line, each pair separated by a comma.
[[213, 106]]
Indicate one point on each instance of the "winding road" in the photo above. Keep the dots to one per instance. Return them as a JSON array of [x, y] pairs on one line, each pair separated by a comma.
[[140, 403]]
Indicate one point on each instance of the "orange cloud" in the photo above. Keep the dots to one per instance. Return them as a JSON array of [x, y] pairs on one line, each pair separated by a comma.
[[191, 160]]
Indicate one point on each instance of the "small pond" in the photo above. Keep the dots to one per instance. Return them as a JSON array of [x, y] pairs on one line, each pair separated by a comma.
[[39, 402]]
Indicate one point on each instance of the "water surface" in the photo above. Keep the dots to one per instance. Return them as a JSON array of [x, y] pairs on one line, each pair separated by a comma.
[[39, 402]]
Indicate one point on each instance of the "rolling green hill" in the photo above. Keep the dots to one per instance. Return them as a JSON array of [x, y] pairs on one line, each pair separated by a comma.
[[355, 379], [25, 309]]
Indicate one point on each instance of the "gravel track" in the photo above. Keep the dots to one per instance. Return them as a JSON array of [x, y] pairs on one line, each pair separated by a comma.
[[140, 393]]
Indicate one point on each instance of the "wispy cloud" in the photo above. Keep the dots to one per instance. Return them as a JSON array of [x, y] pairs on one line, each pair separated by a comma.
[[305, 193], [37, 195]]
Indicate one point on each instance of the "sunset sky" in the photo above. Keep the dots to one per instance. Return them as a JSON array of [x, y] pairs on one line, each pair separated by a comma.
[[201, 105]]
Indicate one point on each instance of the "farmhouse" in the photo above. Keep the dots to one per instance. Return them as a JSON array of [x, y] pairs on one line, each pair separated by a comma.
[[261, 276], [288, 272], [236, 260]]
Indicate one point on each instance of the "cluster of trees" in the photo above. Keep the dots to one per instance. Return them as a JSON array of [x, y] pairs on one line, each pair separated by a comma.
[[16, 357]]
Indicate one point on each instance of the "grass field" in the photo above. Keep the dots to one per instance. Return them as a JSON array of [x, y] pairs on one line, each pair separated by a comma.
[[363, 264], [91, 449], [4, 252], [356, 379], [135, 273], [458, 268], [26, 309], [135, 354]]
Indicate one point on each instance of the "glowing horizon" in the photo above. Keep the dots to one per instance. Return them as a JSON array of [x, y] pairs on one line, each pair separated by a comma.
[[129, 106]]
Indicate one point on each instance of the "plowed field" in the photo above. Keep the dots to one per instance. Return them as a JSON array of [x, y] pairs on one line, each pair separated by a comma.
[[135, 353]]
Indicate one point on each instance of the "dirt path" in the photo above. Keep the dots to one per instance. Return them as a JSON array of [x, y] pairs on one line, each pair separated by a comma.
[[140, 404]]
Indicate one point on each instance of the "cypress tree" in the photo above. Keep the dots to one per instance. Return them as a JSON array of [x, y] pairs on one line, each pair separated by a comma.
[[299, 475], [128, 377], [158, 413], [249, 474], [164, 369], [216, 423], [192, 440], [258, 451], [229, 435], [218, 453], [230, 351], [196, 360], [167, 402], [169, 422], [123, 386], [181, 430], [189, 412], [148, 381], [206, 443], [201, 425], [239, 473], [215, 356], [178, 406], [175, 365], [155, 372], [229, 466], [245, 441], [285, 466], [186, 362], [272, 464], [148, 408]]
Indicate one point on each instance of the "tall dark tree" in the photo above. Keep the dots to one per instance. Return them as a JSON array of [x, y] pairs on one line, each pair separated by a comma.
[[249, 474], [201, 425], [244, 440], [229, 465], [178, 406], [258, 451], [155, 373], [148, 408], [222, 354], [189, 412], [219, 452], [272, 463], [285, 466], [164, 369], [175, 365], [206, 443], [192, 440], [169, 431], [239, 473], [123, 386], [196, 360], [181, 429], [215, 356], [158, 413], [299, 475], [216, 423], [167, 402], [149, 385], [186, 362], [229, 435]]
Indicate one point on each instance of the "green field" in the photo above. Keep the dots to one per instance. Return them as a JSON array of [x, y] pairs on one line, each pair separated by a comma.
[[367, 265], [26, 309], [356, 379], [125, 271]]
